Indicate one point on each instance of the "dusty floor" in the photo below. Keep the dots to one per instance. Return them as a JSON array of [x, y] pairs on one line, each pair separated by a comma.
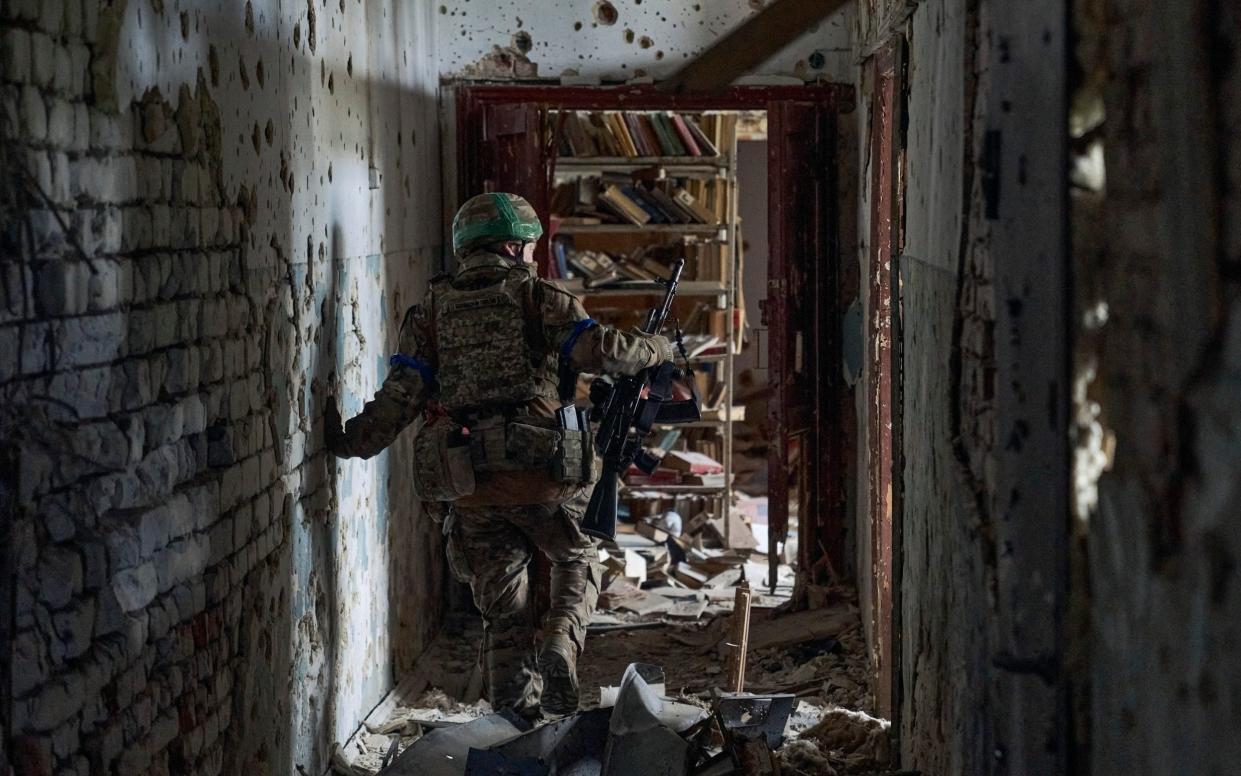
[[819, 656]]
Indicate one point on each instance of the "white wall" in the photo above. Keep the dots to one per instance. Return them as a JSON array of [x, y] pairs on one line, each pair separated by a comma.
[[652, 36], [345, 229]]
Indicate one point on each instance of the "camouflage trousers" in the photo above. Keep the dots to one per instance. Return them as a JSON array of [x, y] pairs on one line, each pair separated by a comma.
[[491, 548]]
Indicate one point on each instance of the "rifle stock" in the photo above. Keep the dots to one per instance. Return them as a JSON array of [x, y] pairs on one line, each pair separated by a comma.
[[600, 518]]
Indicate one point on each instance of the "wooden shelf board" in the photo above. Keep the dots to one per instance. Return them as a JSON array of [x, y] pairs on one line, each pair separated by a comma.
[[614, 162], [694, 424], [705, 490], [684, 288], [702, 230]]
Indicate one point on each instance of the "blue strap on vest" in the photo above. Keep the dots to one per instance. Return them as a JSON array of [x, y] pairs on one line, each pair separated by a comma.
[[400, 359], [567, 376]]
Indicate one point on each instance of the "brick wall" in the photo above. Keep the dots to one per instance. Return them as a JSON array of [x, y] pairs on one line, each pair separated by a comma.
[[221, 214]]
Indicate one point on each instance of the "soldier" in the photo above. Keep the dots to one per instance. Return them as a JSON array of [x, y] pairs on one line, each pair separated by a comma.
[[489, 359]]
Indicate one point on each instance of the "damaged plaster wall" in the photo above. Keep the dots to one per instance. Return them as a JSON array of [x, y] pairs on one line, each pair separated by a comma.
[[984, 459], [224, 212], [1160, 291], [616, 40]]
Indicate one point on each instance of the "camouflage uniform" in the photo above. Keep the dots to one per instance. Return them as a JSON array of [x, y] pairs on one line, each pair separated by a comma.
[[493, 532]]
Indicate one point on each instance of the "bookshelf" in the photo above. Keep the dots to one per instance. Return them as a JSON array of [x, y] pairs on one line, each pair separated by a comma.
[[659, 167], [715, 231], [622, 214], [687, 288]]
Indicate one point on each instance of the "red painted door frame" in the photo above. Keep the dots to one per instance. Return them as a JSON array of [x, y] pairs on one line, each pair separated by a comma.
[[801, 235], [883, 399]]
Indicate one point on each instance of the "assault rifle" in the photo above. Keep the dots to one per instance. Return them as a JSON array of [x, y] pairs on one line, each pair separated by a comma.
[[625, 412]]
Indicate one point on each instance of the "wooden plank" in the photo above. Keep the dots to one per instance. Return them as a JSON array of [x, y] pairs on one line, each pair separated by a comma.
[[800, 627], [750, 44], [741, 637]]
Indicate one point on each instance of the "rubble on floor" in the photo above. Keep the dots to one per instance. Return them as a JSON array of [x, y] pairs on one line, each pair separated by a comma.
[[816, 659], [667, 568]]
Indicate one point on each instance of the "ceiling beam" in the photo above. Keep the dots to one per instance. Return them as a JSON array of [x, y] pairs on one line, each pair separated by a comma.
[[750, 44]]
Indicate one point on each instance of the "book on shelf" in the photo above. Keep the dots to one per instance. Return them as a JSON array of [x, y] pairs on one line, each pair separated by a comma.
[[621, 131], [634, 270], [597, 129], [691, 462], [640, 197], [686, 136], [676, 212], [560, 251], [697, 345], [701, 140], [661, 476], [720, 412], [668, 139], [638, 133], [716, 480], [617, 201], [667, 439], [691, 204], [595, 266]]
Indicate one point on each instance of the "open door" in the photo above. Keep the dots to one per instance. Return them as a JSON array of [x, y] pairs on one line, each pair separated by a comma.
[[800, 312]]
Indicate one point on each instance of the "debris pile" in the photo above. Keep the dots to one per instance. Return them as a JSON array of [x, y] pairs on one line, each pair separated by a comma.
[[843, 741], [641, 732], [807, 710], [664, 567]]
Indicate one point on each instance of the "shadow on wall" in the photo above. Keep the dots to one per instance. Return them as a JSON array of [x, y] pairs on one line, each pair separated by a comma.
[[190, 593]]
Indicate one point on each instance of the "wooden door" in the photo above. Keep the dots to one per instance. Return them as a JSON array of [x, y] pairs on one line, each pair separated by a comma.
[[503, 146], [804, 462]]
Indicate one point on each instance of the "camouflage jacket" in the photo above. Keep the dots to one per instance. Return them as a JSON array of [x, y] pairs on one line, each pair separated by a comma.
[[552, 314]]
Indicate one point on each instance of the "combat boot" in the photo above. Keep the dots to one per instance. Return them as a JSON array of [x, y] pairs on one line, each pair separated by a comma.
[[558, 665]]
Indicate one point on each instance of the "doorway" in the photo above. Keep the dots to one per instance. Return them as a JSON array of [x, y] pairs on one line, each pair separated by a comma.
[[507, 137]]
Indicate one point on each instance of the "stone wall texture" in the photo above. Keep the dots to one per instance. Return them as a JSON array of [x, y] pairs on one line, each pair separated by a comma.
[[214, 214]]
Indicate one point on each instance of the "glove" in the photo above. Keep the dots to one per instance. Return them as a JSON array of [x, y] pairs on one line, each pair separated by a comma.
[[333, 429], [662, 346]]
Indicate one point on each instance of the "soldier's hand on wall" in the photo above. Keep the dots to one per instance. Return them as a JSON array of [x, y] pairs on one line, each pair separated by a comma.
[[333, 429]]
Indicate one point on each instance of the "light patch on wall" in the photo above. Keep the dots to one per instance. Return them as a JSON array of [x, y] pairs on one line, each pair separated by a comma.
[[1095, 446]]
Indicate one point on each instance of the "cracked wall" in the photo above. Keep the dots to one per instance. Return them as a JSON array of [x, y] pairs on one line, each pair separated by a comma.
[[983, 296], [221, 215]]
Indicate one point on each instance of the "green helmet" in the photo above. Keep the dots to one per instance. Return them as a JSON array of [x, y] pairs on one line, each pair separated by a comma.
[[493, 218]]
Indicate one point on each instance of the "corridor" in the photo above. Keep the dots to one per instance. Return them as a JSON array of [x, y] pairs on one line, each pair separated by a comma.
[[957, 334]]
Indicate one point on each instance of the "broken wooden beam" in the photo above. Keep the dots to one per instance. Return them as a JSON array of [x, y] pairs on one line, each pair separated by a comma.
[[750, 44], [741, 637]]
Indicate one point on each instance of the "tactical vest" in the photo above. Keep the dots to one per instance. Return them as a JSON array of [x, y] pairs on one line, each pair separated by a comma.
[[482, 338]]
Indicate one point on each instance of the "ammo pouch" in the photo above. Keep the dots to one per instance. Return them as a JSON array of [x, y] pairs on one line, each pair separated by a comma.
[[577, 462], [529, 444], [443, 470]]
